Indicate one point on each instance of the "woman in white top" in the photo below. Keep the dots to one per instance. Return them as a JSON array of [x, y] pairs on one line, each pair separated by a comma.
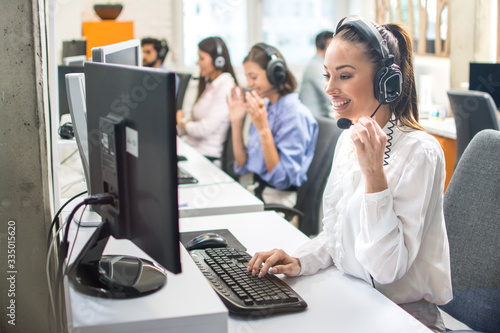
[[207, 126], [383, 203]]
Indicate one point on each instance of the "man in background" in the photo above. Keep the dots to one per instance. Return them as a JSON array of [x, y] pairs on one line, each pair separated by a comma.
[[311, 89], [154, 52]]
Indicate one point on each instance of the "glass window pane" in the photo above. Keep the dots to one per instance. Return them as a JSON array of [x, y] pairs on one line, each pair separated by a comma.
[[224, 18], [292, 26]]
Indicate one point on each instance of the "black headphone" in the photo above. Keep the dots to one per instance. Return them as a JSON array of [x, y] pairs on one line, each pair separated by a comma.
[[276, 68], [66, 131], [162, 52], [387, 84], [219, 60]]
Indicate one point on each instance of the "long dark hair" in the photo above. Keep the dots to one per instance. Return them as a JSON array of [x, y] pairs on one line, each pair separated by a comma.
[[400, 45], [209, 45], [260, 57]]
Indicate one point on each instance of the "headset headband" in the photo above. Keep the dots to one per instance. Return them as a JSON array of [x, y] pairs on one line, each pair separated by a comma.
[[368, 30]]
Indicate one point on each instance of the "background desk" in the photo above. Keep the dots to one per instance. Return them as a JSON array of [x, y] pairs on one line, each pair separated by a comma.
[[200, 167], [215, 199], [446, 133]]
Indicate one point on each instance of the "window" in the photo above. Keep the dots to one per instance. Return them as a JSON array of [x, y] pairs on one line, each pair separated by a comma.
[[426, 20], [289, 25], [224, 18]]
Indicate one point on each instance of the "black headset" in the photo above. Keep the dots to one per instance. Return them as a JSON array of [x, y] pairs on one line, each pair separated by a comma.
[[162, 52], [387, 84], [219, 60], [276, 68]]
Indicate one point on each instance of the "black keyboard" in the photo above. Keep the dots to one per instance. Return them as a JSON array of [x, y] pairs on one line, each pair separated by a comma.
[[242, 293], [184, 177]]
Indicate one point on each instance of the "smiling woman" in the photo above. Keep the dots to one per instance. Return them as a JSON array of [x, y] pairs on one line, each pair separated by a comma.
[[383, 222]]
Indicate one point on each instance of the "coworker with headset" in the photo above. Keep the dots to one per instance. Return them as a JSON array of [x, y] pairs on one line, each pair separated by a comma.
[[206, 127], [154, 52], [311, 89], [283, 133], [383, 203]]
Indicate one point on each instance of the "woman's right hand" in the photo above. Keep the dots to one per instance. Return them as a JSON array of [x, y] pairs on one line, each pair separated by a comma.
[[237, 105], [277, 260]]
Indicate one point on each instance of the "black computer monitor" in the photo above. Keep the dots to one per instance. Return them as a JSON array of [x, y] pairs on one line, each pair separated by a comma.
[[132, 154], [124, 53], [485, 77]]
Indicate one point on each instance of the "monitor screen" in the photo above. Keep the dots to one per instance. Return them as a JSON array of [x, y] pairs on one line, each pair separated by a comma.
[[131, 131], [485, 77], [124, 53]]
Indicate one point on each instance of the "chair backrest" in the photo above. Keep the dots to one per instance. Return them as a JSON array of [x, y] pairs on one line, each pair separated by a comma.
[[310, 194], [473, 111], [471, 209], [183, 85], [227, 158]]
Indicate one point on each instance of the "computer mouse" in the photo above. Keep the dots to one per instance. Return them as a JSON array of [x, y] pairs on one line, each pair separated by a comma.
[[206, 240]]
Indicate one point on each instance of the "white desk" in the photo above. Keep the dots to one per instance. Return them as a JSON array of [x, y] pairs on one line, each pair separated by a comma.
[[336, 302], [215, 199], [168, 310], [200, 167]]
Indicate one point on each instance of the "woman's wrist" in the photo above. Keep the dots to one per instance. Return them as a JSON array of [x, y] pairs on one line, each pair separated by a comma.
[[375, 182], [265, 134]]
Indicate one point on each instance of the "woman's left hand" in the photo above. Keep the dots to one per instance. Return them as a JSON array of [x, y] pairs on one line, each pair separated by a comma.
[[257, 111], [370, 141]]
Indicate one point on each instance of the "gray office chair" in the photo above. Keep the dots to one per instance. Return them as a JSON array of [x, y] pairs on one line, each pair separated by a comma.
[[473, 111], [471, 209], [227, 158], [183, 85], [310, 194]]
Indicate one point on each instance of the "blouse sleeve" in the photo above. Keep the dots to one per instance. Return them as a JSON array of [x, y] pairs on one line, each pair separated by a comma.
[[313, 255], [394, 221]]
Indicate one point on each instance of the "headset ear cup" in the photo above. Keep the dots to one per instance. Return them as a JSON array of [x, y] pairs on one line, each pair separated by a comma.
[[387, 84], [163, 50], [219, 62], [276, 72]]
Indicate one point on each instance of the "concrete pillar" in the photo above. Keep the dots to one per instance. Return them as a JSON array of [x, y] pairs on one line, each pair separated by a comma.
[[24, 170]]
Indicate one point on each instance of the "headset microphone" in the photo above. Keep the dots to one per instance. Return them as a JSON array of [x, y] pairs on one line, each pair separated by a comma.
[[345, 123]]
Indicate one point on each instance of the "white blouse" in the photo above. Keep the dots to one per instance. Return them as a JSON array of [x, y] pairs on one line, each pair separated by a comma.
[[209, 121], [397, 236]]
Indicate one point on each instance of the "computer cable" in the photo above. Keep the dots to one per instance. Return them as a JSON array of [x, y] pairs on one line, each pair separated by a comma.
[[99, 199], [54, 299], [69, 156], [59, 212], [47, 273]]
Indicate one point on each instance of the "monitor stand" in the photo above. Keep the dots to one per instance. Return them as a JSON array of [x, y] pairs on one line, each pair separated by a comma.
[[89, 218], [113, 276]]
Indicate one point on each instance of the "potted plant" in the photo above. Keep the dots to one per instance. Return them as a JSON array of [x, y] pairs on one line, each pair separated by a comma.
[[108, 11]]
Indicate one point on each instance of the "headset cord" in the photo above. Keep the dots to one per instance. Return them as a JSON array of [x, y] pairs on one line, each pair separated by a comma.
[[389, 141]]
